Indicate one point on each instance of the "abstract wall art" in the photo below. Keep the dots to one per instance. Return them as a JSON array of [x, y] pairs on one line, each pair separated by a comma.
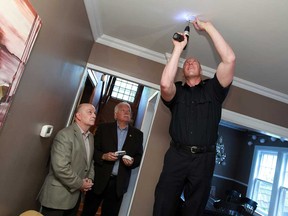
[[19, 27]]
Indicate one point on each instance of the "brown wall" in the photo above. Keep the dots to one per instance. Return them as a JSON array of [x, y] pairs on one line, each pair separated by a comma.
[[44, 96], [257, 106], [239, 100]]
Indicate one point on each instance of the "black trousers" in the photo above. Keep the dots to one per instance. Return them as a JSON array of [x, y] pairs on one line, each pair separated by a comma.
[[188, 173], [111, 202], [58, 212]]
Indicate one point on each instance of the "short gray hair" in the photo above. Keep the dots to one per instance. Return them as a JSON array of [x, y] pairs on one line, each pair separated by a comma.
[[120, 104]]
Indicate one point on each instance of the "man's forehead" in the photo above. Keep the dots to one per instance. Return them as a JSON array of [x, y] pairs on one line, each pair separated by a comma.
[[191, 60], [124, 106], [87, 107]]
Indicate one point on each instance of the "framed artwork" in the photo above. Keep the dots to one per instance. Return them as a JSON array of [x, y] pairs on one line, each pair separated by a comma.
[[19, 26]]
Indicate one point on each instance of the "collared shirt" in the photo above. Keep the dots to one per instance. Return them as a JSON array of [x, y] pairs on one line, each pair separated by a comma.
[[86, 140], [121, 136], [196, 112]]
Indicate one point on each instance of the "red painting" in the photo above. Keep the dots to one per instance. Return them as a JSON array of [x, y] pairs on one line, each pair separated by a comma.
[[19, 26]]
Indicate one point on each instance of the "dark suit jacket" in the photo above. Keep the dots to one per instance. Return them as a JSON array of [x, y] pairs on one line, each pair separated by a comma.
[[105, 140]]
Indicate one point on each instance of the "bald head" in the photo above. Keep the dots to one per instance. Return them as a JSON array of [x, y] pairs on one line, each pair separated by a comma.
[[82, 107], [85, 116]]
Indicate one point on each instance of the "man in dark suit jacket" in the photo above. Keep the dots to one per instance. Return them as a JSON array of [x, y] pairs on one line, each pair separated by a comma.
[[112, 172], [71, 170]]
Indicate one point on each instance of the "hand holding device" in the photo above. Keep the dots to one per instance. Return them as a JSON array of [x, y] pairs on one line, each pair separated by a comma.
[[180, 37], [128, 157], [120, 153]]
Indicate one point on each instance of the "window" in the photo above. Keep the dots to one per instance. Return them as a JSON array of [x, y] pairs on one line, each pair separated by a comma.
[[124, 90], [268, 184]]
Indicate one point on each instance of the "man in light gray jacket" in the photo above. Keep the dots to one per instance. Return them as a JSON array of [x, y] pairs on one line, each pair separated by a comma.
[[71, 168]]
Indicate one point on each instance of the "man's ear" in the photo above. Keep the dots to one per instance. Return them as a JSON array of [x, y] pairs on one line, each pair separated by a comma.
[[77, 116]]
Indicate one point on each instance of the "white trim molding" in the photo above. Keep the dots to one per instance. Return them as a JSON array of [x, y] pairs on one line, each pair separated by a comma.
[[209, 72], [230, 179], [255, 124], [121, 75], [94, 18]]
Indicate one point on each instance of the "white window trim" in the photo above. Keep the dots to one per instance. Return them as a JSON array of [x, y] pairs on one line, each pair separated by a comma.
[[275, 192]]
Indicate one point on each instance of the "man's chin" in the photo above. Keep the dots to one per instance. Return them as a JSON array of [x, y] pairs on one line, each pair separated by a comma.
[[92, 123]]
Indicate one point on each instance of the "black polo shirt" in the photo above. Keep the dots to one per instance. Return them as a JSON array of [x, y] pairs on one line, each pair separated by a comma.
[[196, 112]]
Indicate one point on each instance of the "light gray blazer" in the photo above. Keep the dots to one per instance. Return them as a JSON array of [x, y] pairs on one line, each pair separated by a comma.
[[69, 166]]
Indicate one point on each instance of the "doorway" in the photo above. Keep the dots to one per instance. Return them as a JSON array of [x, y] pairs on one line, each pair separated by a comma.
[[97, 88]]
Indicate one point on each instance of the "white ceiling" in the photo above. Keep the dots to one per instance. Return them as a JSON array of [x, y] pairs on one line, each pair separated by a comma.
[[256, 30]]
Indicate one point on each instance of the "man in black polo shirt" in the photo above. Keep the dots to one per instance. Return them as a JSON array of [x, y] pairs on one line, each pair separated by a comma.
[[196, 112]]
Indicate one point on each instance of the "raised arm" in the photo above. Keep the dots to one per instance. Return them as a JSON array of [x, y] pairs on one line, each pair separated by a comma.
[[168, 88], [225, 70]]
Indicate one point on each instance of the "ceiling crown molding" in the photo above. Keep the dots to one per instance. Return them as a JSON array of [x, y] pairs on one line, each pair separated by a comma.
[[94, 18], [209, 72], [132, 48]]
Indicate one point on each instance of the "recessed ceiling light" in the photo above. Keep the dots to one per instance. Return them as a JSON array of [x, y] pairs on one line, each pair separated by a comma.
[[190, 17], [186, 16]]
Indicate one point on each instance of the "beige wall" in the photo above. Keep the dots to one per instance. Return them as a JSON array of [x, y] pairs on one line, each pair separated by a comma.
[[45, 96], [238, 100]]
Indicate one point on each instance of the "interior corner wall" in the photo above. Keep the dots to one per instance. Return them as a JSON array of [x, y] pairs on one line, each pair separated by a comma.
[[45, 95], [238, 100]]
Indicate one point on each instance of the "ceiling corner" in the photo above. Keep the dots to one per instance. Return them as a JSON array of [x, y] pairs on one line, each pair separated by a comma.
[[94, 16]]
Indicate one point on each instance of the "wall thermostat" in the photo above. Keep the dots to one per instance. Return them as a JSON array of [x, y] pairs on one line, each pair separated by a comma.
[[46, 131]]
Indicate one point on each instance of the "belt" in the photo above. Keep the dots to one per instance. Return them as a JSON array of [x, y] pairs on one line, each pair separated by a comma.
[[193, 149]]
